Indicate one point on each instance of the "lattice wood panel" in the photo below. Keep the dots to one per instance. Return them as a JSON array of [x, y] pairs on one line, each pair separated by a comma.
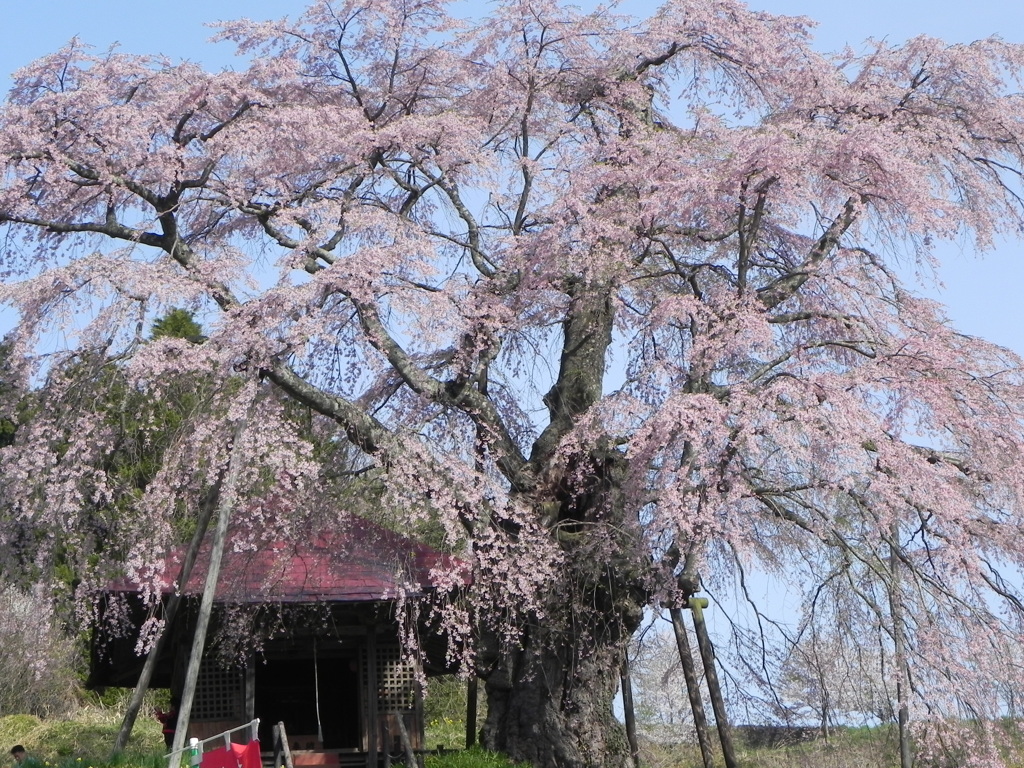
[[396, 680], [220, 693]]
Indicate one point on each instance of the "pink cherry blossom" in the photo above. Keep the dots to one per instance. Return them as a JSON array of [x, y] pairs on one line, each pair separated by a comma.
[[603, 305]]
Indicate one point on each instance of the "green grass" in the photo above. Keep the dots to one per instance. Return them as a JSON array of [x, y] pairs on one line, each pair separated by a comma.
[[446, 732], [444, 712], [471, 758], [85, 741], [846, 748]]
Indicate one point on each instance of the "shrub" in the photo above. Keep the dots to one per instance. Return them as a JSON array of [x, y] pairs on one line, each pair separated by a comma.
[[37, 659]]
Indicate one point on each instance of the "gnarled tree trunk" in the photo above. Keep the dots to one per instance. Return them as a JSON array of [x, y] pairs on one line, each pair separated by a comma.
[[550, 702], [550, 695]]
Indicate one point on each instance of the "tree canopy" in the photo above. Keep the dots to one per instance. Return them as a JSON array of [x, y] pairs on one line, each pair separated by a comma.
[[615, 305]]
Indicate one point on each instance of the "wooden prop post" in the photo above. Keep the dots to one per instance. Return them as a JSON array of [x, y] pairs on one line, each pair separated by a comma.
[[903, 670], [700, 720], [224, 507], [707, 654], [170, 611], [628, 712]]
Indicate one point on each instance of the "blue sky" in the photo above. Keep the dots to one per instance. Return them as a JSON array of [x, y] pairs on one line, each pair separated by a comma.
[[983, 296]]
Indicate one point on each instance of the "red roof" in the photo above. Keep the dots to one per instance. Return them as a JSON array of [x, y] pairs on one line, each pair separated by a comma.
[[357, 562]]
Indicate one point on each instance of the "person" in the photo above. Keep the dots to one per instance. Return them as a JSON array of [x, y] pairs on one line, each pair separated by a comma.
[[169, 720], [22, 760]]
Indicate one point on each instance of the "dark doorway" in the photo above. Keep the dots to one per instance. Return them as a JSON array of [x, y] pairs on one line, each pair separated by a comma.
[[286, 691]]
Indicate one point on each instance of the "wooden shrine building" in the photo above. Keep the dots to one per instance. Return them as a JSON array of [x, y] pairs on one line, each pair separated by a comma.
[[322, 653]]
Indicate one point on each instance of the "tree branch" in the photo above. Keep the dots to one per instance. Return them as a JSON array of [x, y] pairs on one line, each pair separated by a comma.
[[787, 285]]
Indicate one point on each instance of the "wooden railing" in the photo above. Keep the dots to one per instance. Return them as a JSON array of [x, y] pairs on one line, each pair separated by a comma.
[[410, 758]]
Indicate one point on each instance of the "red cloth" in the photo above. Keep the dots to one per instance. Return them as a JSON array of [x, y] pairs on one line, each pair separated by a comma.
[[239, 756]]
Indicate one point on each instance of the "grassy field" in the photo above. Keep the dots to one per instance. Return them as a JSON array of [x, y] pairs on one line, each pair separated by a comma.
[[847, 748], [85, 740]]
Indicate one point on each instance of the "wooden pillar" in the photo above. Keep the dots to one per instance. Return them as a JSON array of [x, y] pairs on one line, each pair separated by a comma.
[[707, 654], [471, 704], [225, 504], [250, 688], [627, 710], [700, 720], [372, 698]]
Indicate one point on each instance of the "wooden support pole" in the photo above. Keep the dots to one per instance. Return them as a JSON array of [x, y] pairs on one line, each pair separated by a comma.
[[707, 654], [373, 699], [903, 669], [282, 750], [629, 714], [403, 732], [224, 506], [472, 694], [145, 676], [700, 720], [170, 611]]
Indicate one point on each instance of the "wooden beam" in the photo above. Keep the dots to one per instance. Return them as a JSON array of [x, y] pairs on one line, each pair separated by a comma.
[[224, 507], [700, 720], [627, 710], [372, 699], [170, 611], [707, 654]]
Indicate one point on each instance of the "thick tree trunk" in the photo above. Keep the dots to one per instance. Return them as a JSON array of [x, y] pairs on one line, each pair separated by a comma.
[[550, 695], [551, 704]]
